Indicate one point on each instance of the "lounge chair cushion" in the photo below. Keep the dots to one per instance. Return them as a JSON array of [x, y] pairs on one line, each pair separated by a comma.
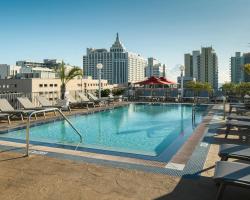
[[238, 123], [234, 151], [232, 173]]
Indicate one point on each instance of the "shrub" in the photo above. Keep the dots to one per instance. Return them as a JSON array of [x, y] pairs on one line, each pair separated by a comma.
[[104, 93], [118, 91]]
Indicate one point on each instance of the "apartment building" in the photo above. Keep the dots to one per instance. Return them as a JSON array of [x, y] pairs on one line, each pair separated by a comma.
[[155, 68], [119, 65], [203, 66]]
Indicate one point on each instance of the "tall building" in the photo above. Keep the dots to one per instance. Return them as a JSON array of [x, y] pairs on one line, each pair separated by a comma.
[[155, 68], [188, 59], [209, 66], [119, 65], [237, 74], [9, 71], [237, 67], [196, 64], [203, 66]]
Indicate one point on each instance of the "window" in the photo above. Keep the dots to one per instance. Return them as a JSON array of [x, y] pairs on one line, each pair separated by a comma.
[[51, 85], [45, 85], [55, 85], [40, 85]]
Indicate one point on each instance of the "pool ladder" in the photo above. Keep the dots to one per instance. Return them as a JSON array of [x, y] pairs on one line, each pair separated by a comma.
[[43, 111], [193, 112]]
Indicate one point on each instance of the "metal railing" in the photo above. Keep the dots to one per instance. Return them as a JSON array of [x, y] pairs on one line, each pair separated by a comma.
[[42, 111]]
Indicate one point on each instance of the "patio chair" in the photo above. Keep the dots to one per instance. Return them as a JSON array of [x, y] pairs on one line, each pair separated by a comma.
[[83, 102], [239, 117], [5, 107], [241, 152], [5, 115], [28, 105], [96, 100], [240, 124], [61, 104], [239, 107], [231, 173]]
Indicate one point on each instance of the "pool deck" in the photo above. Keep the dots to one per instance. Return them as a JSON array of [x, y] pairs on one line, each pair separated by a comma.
[[48, 177]]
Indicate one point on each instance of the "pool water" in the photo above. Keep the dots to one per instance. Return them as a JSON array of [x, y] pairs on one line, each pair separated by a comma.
[[144, 129]]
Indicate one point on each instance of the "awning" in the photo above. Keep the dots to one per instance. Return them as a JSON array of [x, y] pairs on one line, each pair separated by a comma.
[[163, 79], [152, 81]]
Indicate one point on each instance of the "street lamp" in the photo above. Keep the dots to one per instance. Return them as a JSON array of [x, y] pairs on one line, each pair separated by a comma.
[[182, 69], [99, 67]]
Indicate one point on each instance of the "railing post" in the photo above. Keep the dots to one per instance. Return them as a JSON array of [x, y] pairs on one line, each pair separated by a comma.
[[224, 108], [40, 111], [27, 136]]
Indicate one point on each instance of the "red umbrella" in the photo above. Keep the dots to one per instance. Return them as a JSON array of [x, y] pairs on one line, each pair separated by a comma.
[[152, 81], [166, 80]]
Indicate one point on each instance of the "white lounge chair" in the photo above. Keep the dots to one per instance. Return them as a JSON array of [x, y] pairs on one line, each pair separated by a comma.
[[5, 107], [85, 99]]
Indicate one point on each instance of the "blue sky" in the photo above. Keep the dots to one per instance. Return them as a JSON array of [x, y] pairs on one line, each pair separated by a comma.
[[164, 29]]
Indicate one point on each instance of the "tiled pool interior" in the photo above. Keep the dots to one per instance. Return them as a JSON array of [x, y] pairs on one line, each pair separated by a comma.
[[148, 131]]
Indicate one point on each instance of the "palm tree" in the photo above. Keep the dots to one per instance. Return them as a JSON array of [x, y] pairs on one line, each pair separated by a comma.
[[66, 76], [247, 68], [243, 88], [207, 87], [195, 86], [229, 88]]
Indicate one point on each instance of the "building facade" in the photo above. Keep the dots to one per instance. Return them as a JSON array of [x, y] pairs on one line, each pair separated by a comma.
[[48, 63], [237, 73], [196, 64], [9, 71], [155, 68], [203, 66], [119, 65], [188, 60], [237, 63], [50, 86]]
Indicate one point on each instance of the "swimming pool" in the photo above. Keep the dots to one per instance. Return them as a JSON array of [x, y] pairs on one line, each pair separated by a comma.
[[149, 131]]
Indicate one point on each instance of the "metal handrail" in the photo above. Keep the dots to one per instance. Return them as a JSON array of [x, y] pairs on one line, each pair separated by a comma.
[[42, 111]]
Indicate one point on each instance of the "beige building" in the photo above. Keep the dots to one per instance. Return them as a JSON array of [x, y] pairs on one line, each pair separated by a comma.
[[49, 87]]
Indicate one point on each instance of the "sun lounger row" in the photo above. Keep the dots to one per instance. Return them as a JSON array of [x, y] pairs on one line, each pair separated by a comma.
[[7, 111], [232, 173]]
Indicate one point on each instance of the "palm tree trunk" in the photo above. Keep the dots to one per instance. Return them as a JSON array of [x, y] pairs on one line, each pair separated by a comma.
[[63, 90]]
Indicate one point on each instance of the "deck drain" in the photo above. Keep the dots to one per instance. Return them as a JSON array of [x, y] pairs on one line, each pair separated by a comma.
[[38, 152], [175, 166], [203, 144]]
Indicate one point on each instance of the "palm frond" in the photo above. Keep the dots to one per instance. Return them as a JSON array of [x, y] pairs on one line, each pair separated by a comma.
[[74, 72]]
